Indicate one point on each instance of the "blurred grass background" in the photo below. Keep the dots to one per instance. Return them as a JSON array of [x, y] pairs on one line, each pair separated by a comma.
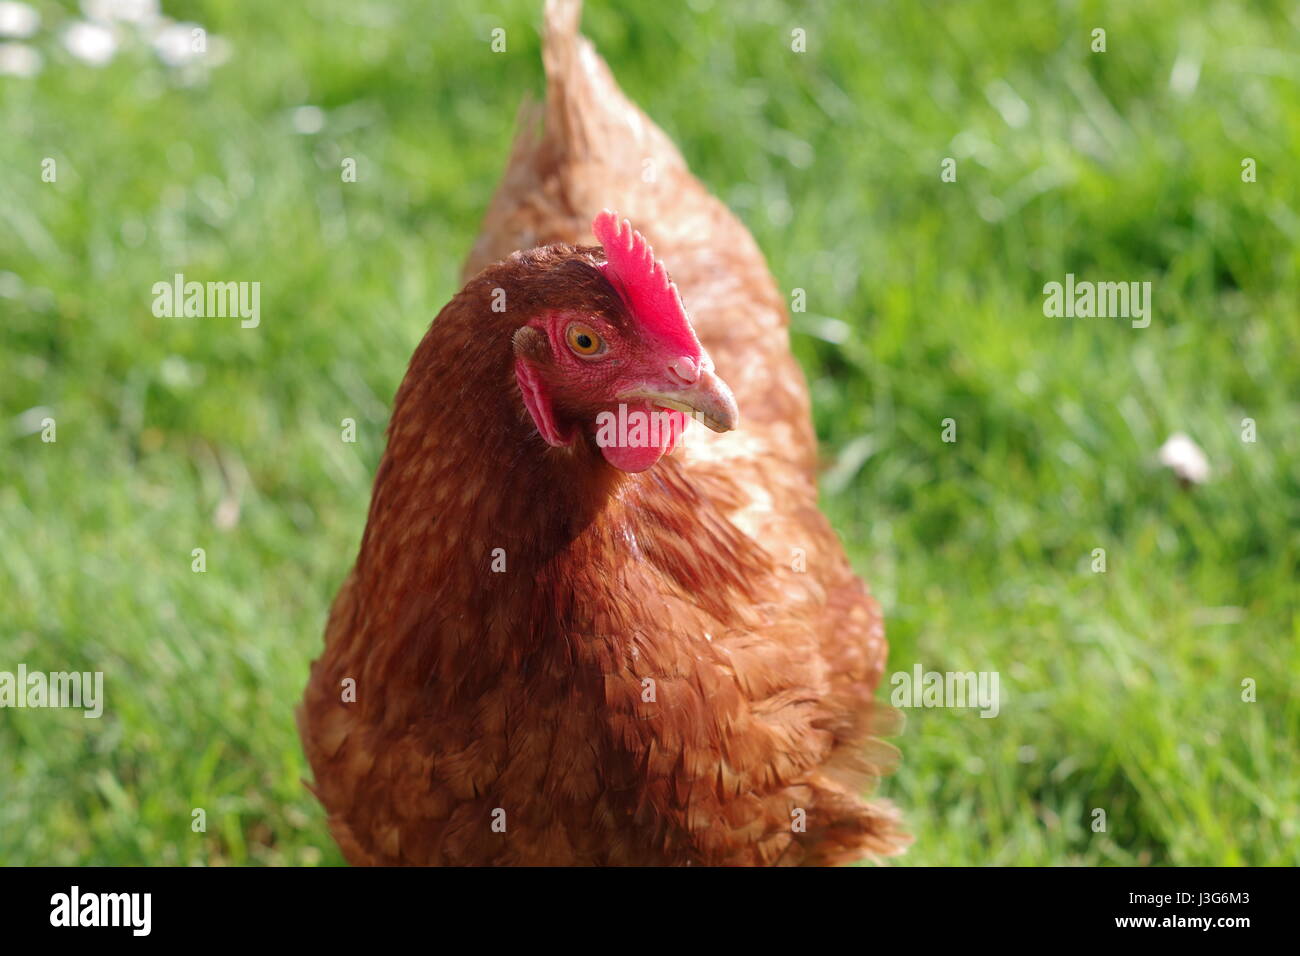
[[1122, 690]]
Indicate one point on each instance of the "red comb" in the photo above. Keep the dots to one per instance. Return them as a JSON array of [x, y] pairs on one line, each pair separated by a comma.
[[643, 282]]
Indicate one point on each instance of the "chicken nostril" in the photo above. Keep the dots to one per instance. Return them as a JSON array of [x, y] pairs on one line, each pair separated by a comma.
[[685, 369]]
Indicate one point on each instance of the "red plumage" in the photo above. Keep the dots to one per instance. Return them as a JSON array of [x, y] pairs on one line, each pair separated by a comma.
[[565, 653]]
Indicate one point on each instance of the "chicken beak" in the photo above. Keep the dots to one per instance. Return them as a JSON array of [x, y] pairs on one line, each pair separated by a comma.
[[707, 400]]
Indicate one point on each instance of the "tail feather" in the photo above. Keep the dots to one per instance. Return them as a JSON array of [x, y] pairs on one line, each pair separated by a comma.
[[588, 115], [591, 152]]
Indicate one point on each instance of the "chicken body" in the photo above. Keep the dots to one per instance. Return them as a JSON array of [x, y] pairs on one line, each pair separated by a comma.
[[558, 663]]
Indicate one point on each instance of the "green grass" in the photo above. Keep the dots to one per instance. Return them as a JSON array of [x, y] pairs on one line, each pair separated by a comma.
[[1122, 690]]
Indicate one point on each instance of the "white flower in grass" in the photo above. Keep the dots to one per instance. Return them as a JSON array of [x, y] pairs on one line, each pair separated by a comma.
[[1185, 458], [91, 43], [18, 59], [127, 11], [18, 20], [181, 44], [174, 44]]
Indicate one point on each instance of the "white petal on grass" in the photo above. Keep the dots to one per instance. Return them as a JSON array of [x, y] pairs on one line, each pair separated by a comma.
[[1185, 74], [826, 328], [18, 59], [1184, 457], [18, 20], [308, 120], [1014, 110], [91, 43]]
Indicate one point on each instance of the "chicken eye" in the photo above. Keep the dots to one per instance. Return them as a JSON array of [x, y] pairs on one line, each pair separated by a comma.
[[583, 340]]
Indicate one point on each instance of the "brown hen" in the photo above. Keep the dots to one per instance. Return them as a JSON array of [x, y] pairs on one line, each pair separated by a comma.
[[551, 651]]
